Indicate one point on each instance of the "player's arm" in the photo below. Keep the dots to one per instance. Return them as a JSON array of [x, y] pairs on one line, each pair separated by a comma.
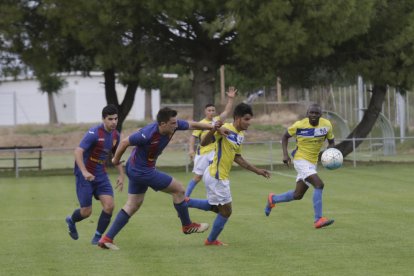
[[191, 145], [246, 165], [285, 142], [231, 94], [208, 138], [81, 165], [123, 145], [198, 125], [121, 177]]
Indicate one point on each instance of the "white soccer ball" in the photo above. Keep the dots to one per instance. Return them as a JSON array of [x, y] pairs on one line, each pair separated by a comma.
[[332, 159]]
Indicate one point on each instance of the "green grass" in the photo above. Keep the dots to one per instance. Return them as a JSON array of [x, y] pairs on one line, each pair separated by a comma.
[[373, 233]]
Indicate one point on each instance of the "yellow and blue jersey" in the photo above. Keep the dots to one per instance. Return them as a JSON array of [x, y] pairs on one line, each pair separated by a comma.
[[200, 135], [310, 139], [226, 149]]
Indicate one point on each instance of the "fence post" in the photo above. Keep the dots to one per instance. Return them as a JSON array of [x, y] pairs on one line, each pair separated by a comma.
[[16, 163], [353, 151], [270, 154]]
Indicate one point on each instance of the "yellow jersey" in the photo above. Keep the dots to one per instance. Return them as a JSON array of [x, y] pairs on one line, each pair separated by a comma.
[[226, 149], [200, 135], [309, 139]]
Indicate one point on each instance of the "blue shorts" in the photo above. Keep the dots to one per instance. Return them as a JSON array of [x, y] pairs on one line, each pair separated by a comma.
[[139, 183], [86, 189]]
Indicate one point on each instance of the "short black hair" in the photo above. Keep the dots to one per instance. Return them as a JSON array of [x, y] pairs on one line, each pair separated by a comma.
[[208, 105], [242, 109], [165, 114], [110, 109]]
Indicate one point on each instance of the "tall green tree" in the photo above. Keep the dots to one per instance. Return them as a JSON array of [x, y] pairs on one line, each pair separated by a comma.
[[372, 38]]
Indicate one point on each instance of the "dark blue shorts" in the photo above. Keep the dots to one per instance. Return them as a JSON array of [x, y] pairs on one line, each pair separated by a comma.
[[86, 189], [139, 183]]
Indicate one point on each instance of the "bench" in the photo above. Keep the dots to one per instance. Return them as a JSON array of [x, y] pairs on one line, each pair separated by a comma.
[[21, 157]]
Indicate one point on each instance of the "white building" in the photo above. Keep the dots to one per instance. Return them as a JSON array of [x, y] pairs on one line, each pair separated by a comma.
[[80, 101]]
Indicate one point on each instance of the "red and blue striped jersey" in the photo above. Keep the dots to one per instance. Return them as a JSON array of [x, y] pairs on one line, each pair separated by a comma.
[[149, 144], [97, 144]]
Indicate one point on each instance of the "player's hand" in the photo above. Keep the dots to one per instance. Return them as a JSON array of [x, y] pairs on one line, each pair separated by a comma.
[[88, 176], [287, 161], [116, 161], [264, 173], [232, 92], [120, 183], [191, 154], [217, 124]]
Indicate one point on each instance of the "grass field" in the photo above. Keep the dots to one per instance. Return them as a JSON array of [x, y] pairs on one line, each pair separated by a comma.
[[373, 233]]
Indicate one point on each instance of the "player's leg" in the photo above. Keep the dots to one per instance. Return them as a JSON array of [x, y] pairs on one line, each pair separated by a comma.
[[318, 184], [107, 202], [201, 163], [84, 193], [136, 195], [105, 193], [132, 205], [297, 194], [176, 189], [224, 213], [192, 184], [219, 196]]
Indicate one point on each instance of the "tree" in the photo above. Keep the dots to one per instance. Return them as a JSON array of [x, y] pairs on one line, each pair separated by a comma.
[[196, 34], [51, 84], [371, 38]]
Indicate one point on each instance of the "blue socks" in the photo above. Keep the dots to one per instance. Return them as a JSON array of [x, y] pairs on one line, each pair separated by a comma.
[[201, 204], [317, 203], [182, 210], [76, 216], [190, 187], [103, 222], [120, 221], [218, 226], [286, 197]]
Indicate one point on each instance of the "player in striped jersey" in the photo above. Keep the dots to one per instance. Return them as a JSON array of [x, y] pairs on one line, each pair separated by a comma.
[[149, 143], [310, 134], [91, 177], [228, 148], [204, 154]]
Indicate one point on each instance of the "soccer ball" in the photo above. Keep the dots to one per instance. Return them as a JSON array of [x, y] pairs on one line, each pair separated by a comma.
[[332, 159]]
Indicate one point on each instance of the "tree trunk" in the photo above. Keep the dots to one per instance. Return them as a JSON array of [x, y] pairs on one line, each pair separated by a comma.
[[52, 109], [368, 120], [112, 98], [203, 86], [148, 104]]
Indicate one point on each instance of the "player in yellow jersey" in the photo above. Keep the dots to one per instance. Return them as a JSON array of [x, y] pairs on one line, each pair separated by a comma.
[[310, 134], [204, 154], [228, 147]]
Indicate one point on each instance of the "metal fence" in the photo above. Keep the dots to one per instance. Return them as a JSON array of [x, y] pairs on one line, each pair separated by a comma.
[[264, 153]]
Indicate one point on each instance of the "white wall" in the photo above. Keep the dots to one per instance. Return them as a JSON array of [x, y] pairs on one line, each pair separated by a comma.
[[80, 101]]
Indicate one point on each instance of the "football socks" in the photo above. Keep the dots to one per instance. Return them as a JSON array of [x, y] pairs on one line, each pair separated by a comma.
[[103, 222], [218, 226], [182, 210], [317, 203], [201, 204], [190, 187], [120, 221]]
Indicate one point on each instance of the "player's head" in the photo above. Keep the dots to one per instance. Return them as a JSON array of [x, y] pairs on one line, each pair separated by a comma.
[[167, 120], [110, 117], [242, 116], [314, 113], [209, 111]]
